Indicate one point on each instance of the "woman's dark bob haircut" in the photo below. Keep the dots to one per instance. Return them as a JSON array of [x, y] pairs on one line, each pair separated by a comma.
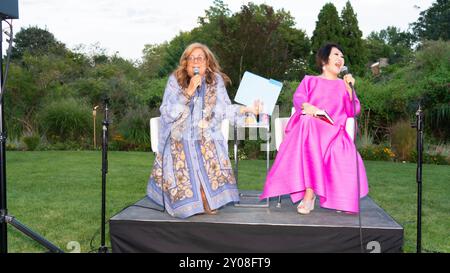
[[323, 54]]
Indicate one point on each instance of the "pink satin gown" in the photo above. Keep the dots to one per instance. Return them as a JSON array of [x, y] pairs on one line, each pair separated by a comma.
[[315, 154]]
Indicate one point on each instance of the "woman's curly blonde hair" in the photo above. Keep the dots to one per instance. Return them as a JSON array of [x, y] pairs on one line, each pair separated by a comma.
[[212, 66]]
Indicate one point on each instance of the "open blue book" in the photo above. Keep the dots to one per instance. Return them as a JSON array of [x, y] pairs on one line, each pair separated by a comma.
[[254, 87]]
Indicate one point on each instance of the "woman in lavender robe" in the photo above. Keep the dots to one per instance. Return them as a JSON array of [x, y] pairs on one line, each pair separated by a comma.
[[316, 157], [192, 172]]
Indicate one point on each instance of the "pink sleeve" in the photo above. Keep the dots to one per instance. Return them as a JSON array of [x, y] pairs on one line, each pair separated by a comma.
[[349, 105], [301, 94]]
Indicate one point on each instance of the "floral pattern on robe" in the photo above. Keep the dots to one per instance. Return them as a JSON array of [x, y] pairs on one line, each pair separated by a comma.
[[192, 155]]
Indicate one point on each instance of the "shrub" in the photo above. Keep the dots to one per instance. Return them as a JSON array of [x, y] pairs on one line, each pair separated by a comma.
[[428, 158], [153, 92], [284, 101], [403, 139], [134, 127], [14, 144], [377, 152], [252, 149], [31, 142], [241, 153], [395, 94], [66, 119], [118, 143], [364, 137]]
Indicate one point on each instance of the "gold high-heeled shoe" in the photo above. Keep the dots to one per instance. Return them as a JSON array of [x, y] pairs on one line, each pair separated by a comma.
[[307, 206]]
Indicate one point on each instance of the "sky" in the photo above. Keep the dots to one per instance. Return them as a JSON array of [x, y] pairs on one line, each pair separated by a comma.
[[124, 27]]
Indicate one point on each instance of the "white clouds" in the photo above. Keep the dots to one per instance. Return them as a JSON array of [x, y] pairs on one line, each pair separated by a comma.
[[127, 25]]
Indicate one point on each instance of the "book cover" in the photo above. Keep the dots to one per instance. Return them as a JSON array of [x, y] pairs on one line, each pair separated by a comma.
[[254, 87], [323, 115]]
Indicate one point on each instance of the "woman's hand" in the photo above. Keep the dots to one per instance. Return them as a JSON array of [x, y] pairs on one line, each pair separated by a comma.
[[309, 109], [349, 79], [256, 108], [193, 84]]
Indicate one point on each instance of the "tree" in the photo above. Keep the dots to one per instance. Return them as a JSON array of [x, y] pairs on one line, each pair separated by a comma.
[[257, 39], [434, 23], [328, 29], [265, 42], [36, 41], [173, 52], [352, 43], [153, 58], [218, 10], [391, 43], [217, 30]]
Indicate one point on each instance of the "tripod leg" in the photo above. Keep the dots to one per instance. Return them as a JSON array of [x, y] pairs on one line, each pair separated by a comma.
[[33, 235], [3, 234]]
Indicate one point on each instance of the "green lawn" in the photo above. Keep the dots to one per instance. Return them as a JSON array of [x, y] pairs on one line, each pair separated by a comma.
[[58, 194]]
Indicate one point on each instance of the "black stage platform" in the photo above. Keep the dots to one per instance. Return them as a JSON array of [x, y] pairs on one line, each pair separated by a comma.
[[243, 229]]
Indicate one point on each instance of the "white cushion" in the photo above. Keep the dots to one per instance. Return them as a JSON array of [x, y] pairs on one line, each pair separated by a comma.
[[225, 128], [292, 111], [154, 133], [280, 125], [350, 127]]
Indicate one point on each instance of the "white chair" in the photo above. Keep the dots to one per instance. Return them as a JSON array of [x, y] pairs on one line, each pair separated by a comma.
[[350, 127], [225, 128], [154, 131], [280, 125]]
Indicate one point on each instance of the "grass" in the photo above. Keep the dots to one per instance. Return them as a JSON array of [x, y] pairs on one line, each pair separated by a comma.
[[58, 194]]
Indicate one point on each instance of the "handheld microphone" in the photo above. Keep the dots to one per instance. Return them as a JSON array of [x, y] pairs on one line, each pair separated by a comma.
[[197, 72], [344, 71]]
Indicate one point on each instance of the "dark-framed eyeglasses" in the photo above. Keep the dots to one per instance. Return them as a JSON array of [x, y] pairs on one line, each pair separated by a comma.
[[198, 59]]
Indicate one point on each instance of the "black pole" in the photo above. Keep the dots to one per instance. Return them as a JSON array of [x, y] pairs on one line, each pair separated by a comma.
[[103, 248], [355, 133], [3, 207], [419, 127], [4, 217]]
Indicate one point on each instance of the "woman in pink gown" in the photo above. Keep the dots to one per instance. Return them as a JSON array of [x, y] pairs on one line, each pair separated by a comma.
[[317, 158]]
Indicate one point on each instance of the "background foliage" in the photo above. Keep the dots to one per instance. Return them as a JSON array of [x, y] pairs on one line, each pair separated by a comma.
[[51, 90]]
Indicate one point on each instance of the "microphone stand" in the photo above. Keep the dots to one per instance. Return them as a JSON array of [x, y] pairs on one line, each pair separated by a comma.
[[103, 248], [4, 217], [419, 128], [357, 167]]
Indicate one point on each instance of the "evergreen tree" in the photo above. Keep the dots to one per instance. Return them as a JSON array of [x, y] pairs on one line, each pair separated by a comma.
[[434, 23], [352, 42], [328, 29]]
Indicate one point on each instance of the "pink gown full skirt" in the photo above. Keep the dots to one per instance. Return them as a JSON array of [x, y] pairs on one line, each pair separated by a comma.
[[315, 154]]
